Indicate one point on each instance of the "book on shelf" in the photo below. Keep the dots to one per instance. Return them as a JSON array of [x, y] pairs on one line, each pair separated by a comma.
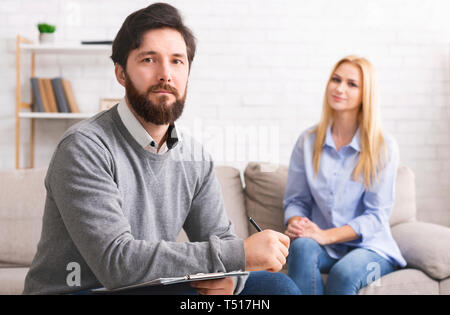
[[73, 105], [96, 42], [36, 102], [50, 95], [60, 96], [45, 101], [53, 96]]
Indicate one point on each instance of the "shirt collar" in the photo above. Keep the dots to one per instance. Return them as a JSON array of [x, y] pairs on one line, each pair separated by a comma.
[[329, 139], [355, 143], [139, 133]]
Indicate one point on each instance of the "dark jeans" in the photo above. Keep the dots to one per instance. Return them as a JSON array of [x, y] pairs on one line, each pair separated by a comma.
[[258, 283]]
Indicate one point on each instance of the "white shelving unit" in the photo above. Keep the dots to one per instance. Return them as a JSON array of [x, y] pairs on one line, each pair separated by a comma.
[[55, 115], [24, 110], [67, 49]]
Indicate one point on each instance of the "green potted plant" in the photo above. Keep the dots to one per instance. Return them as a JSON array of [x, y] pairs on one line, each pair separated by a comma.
[[46, 33]]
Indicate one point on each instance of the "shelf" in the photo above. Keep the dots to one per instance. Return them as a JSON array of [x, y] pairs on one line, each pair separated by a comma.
[[67, 49], [56, 115], [24, 45]]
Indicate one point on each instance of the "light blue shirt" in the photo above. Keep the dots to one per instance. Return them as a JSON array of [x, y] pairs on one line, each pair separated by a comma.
[[333, 199]]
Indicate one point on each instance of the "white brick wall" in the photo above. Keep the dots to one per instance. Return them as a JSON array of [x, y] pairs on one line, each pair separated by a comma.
[[261, 68]]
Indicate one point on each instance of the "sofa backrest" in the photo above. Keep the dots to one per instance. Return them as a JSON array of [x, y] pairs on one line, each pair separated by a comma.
[[22, 199], [234, 199], [405, 197], [264, 191]]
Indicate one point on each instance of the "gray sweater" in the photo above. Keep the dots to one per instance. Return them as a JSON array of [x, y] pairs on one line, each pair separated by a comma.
[[115, 210]]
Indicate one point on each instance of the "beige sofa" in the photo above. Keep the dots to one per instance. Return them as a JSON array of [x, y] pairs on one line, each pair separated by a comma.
[[425, 246]]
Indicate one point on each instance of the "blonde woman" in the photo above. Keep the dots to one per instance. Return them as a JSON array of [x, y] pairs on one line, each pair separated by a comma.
[[340, 189]]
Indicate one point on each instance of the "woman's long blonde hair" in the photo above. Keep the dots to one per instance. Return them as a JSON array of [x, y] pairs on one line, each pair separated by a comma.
[[373, 145]]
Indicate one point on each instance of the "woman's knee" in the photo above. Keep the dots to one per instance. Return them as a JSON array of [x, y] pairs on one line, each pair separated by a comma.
[[350, 274], [344, 273], [343, 279], [303, 246], [302, 252]]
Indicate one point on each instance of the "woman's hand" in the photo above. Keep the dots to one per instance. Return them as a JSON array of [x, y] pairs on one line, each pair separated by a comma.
[[303, 227], [312, 230], [294, 229]]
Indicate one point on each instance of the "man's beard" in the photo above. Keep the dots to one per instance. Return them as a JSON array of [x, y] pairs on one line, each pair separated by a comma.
[[160, 113]]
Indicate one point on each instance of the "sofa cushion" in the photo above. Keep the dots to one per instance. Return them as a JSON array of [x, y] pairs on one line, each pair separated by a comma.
[[264, 191], [403, 282], [404, 209], [425, 246], [12, 280], [22, 195], [234, 200], [265, 185], [444, 287]]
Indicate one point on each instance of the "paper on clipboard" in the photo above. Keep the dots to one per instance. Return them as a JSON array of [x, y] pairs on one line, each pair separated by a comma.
[[174, 280]]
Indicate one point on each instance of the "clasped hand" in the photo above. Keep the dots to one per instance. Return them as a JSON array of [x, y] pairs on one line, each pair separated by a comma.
[[303, 227]]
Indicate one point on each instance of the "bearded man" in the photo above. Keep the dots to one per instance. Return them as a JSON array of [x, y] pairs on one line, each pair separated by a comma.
[[123, 184]]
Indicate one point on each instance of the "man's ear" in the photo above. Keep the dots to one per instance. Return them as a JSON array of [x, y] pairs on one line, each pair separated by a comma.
[[120, 74]]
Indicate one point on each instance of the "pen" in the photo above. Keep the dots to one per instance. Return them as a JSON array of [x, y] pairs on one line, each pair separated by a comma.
[[254, 224]]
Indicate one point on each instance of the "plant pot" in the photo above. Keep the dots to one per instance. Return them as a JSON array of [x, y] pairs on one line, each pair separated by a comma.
[[46, 38]]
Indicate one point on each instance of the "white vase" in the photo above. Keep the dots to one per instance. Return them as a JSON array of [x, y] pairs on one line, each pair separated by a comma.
[[46, 38]]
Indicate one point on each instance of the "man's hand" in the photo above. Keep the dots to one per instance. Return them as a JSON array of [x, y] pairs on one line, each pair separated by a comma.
[[224, 286], [266, 250]]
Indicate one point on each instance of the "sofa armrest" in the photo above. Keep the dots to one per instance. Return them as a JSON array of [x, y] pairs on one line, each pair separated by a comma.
[[425, 246]]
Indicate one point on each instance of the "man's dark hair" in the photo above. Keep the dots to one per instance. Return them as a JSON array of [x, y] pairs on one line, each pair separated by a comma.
[[155, 16]]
